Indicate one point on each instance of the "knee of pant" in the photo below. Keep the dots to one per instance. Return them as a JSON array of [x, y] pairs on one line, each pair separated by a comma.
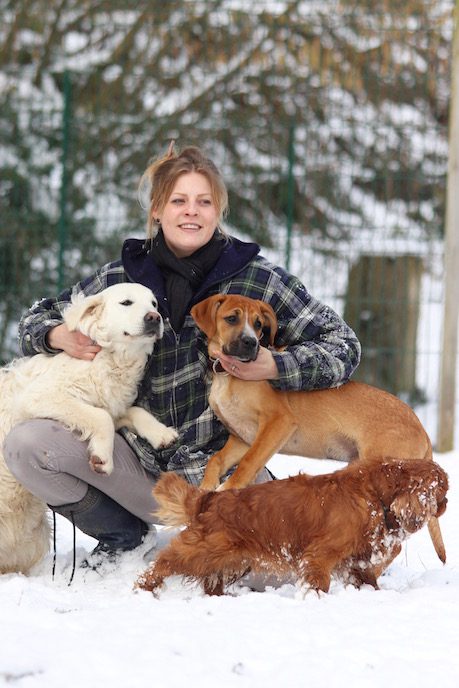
[[21, 443]]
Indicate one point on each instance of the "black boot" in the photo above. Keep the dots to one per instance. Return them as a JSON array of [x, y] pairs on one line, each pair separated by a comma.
[[102, 518]]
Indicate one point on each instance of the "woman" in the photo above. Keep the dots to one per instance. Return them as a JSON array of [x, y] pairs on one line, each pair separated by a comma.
[[186, 258]]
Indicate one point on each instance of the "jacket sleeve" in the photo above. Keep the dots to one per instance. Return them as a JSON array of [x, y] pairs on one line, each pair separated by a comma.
[[48, 313], [321, 350]]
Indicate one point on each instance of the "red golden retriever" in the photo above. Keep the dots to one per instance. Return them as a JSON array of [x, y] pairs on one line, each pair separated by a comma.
[[349, 524]]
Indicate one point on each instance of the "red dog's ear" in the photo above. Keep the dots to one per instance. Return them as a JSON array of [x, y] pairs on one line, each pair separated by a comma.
[[412, 510], [270, 321], [204, 313]]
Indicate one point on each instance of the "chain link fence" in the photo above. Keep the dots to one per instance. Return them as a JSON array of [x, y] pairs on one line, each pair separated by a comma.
[[328, 120]]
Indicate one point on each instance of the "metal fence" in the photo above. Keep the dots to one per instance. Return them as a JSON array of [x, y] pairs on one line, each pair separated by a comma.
[[328, 120]]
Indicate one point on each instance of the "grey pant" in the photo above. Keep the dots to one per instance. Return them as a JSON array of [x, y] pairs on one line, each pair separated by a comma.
[[52, 463]]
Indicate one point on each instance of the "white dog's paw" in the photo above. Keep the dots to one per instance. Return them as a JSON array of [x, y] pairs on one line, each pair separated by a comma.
[[99, 465], [100, 454], [163, 437]]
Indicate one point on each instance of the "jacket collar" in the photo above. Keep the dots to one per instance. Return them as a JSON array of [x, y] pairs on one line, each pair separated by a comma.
[[139, 265]]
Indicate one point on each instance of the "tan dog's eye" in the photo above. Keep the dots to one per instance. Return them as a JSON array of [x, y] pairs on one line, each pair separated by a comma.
[[231, 319], [257, 325]]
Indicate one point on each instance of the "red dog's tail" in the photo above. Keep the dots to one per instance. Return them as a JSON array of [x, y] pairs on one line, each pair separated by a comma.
[[176, 499]]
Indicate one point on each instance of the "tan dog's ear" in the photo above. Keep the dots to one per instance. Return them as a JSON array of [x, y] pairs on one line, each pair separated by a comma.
[[270, 322], [204, 314], [77, 314]]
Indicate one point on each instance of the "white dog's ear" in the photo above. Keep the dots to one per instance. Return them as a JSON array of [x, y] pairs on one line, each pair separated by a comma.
[[84, 313]]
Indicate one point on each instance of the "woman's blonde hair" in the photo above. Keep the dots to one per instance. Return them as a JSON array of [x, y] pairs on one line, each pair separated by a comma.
[[160, 177]]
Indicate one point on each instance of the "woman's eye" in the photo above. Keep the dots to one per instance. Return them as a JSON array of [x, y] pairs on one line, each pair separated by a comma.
[[126, 302], [177, 201]]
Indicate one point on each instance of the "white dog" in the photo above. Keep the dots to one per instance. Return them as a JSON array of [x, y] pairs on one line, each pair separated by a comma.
[[91, 397]]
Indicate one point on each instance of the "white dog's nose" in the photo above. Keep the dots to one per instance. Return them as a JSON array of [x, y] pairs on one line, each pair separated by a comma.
[[152, 322], [151, 316]]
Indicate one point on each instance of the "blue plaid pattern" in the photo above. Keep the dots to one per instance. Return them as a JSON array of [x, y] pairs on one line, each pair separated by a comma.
[[322, 351]]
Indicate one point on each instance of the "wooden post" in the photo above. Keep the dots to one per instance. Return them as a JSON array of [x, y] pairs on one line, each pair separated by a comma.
[[382, 306], [447, 402]]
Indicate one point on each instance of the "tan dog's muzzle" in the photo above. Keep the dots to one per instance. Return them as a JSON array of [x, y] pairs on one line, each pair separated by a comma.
[[245, 347]]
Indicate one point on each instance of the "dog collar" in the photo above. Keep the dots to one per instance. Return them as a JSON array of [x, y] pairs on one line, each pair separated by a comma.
[[217, 367]]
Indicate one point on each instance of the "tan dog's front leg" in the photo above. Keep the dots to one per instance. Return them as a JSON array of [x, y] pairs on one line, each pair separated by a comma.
[[222, 461], [272, 435]]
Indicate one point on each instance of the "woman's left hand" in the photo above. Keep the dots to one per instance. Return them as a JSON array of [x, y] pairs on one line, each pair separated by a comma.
[[263, 368]]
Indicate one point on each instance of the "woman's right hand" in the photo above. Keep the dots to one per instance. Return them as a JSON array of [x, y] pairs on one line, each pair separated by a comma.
[[74, 344]]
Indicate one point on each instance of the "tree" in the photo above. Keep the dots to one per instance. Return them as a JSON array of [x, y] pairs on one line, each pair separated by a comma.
[[330, 115]]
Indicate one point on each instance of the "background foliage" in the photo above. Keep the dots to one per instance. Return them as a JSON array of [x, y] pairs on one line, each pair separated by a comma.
[[328, 120]]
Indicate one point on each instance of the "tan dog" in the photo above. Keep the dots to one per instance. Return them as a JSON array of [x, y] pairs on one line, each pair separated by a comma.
[[348, 524], [354, 421]]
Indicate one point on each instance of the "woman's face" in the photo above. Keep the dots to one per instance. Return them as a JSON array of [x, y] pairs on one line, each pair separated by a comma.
[[190, 216]]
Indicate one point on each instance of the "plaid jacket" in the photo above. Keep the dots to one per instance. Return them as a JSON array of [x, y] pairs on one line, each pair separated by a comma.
[[322, 351]]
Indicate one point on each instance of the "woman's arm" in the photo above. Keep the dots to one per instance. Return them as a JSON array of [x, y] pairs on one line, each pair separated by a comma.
[[38, 321], [321, 349]]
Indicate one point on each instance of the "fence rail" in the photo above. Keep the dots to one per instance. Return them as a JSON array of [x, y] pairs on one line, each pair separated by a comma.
[[329, 121]]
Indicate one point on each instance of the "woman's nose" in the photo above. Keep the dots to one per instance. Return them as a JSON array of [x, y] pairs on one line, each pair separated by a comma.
[[192, 208]]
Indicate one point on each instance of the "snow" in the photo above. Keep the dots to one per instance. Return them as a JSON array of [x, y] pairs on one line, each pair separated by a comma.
[[99, 632]]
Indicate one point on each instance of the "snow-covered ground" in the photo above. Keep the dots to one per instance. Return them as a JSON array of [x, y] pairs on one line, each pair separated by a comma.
[[99, 632]]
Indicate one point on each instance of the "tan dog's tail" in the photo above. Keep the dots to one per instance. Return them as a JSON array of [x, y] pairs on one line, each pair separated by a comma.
[[176, 499], [437, 539]]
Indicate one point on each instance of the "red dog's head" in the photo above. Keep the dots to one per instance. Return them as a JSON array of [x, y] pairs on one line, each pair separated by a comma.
[[411, 491]]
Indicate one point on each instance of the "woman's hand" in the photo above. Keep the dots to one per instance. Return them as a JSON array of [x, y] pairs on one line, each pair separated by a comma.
[[263, 368], [74, 344]]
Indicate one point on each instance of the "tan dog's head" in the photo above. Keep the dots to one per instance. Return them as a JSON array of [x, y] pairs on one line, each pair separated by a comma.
[[412, 491], [120, 316], [235, 324]]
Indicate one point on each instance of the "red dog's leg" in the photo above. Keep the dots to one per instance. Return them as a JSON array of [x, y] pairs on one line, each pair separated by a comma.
[[167, 564], [208, 560], [314, 569]]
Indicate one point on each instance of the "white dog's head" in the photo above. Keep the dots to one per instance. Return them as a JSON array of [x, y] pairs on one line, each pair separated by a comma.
[[121, 315]]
